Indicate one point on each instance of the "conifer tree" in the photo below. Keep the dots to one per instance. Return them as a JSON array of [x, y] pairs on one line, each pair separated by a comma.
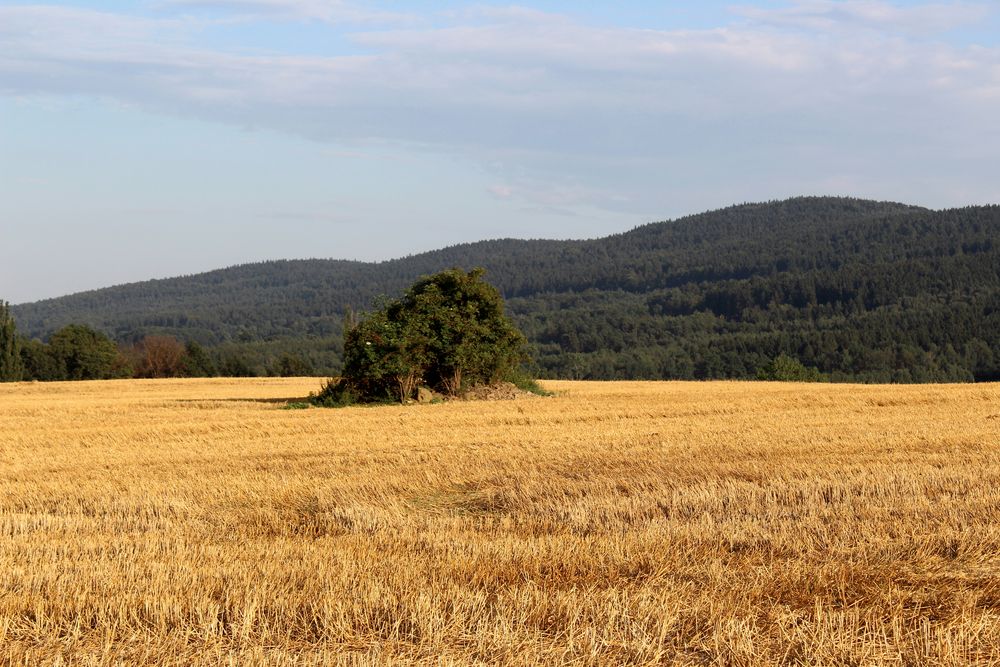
[[10, 346]]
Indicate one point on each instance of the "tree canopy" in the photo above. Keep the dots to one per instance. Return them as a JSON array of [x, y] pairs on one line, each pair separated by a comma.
[[86, 354], [862, 291], [447, 332], [10, 346]]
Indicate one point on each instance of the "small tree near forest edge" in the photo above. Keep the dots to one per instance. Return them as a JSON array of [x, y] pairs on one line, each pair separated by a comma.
[[447, 332]]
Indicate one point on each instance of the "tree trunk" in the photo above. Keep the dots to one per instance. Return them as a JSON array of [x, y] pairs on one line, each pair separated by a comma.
[[453, 384], [407, 384]]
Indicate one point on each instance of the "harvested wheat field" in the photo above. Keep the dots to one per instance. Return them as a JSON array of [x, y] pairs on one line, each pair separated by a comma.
[[199, 522]]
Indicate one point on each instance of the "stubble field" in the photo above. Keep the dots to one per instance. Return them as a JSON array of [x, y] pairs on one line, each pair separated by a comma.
[[198, 522]]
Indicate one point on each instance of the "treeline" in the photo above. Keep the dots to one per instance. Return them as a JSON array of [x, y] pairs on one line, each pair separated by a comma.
[[79, 352], [860, 290]]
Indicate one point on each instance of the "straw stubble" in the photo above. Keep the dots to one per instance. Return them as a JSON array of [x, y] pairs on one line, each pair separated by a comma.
[[195, 521]]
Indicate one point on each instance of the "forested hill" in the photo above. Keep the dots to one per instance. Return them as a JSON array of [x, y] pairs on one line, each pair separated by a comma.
[[862, 290]]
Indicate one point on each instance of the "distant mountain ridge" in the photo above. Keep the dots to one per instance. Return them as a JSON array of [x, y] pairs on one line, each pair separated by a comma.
[[834, 282]]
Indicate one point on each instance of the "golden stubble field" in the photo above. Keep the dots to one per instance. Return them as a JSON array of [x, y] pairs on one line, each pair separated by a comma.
[[197, 522]]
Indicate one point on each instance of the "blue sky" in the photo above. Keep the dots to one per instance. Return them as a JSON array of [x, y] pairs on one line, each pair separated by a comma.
[[163, 137]]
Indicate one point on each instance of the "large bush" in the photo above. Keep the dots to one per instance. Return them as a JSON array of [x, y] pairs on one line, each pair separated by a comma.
[[447, 332]]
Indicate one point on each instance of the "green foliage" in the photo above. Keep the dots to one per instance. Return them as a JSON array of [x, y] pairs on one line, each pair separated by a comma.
[[10, 346], [383, 359], [787, 369], [448, 331], [197, 362], [335, 393], [456, 331], [523, 381], [863, 291], [86, 354], [39, 362], [235, 366], [292, 365], [80, 353]]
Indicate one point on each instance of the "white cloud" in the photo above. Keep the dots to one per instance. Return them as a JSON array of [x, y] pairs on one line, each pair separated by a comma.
[[826, 15], [330, 11], [536, 63], [542, 99]]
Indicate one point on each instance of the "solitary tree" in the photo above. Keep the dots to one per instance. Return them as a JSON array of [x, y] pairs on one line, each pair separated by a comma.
[[10, 346], [448, 331]]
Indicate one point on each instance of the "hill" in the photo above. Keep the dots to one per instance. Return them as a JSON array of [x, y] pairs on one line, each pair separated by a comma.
[[863, 290]]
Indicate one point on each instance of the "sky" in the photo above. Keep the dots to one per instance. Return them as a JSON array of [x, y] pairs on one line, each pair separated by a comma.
[[154, 138]]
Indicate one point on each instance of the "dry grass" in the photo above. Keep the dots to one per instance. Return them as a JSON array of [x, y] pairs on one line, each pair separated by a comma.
[[179, 522]]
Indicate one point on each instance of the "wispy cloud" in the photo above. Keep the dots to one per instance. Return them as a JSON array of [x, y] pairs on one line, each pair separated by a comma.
[[826, 15], [568, 104], [330, 11]]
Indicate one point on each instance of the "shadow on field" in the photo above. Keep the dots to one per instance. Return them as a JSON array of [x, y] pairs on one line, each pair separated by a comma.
[[293, 399]]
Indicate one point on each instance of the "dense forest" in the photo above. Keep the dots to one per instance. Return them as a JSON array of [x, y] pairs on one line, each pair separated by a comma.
[[860, 290]]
